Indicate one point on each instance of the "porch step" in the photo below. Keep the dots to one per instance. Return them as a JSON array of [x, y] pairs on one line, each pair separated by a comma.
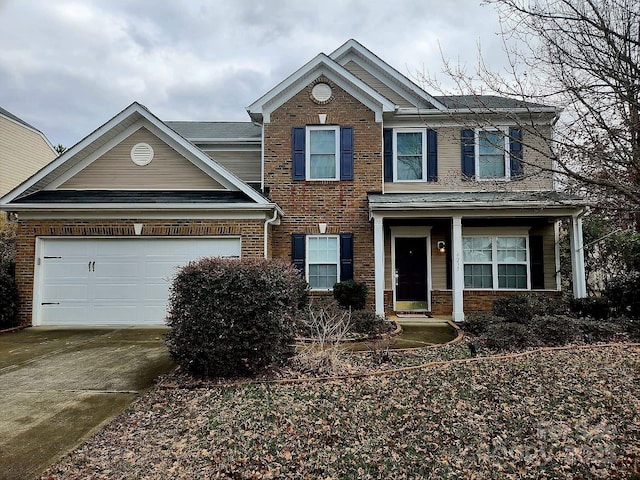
[[413, 314]]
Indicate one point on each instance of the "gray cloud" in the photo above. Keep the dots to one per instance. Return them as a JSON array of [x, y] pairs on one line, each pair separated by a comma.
[[68, 66]]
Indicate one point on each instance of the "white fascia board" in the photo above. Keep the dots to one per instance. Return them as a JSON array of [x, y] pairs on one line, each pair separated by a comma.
[[321, 64], [341, 54], [485, 211], [140, 206]]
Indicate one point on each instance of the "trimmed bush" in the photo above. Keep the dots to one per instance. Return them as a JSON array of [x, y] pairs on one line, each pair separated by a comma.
[[554, 330], [522, 307], [8, 300], [369, 323], [595, 331], [478, 322], [507, 336], [351, 294], [233, 317], [593, 307]]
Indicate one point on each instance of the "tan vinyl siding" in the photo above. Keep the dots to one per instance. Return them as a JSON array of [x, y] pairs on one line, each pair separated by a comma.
[[450, 173], [377, 85], [22, 153], [168, 170], [438, 263], [243, 164]]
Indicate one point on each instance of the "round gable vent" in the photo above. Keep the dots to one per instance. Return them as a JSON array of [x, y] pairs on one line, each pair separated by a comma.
[[321, 92], [142, 154]]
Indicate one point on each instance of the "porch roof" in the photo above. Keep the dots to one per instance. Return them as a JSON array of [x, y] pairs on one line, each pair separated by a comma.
[[485, 203]]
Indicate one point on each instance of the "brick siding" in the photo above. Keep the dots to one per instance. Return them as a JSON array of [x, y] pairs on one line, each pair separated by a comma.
[[476, 300]]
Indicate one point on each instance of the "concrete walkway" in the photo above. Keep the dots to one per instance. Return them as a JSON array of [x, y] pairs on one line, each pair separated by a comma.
[[58, 386]]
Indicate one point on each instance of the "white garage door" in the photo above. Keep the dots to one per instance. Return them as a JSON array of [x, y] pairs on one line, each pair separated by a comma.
[[114, 281]]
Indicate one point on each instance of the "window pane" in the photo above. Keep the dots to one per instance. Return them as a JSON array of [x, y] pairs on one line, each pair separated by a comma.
[[323, 276], [323, 249], [322, 141], [478, 276], [409, 155], [476, 249], [322, 154], [512, 276], [511, 249], [491, 147]]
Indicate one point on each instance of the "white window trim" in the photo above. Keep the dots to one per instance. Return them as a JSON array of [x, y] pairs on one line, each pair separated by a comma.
[[422, 131], [495, 262], [308, 262], [507, 156], [307, 152]]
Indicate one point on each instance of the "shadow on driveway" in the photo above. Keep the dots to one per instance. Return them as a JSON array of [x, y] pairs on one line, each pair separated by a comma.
[[58, 386]]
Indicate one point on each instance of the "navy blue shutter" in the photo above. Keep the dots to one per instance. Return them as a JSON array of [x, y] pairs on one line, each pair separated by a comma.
[[468, 154], [432, 155], [346, 153], [536, 258], [387, 136], [298, 254], [346, 256], [297, 152], [515, 151]]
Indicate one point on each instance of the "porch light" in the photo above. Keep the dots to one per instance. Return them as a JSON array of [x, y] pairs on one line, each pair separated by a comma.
[[441, 246]]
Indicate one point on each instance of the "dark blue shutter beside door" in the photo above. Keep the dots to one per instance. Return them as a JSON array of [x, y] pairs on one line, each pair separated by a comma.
[[298, 253], [346, 256], [468, 154], [536, 258], [297, 152], [387, 137], [515, 151], [432, 155], [346, 153]]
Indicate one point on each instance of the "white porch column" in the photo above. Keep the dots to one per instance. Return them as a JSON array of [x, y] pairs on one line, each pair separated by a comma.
[[457, 270], [378, 249], [577, 257]]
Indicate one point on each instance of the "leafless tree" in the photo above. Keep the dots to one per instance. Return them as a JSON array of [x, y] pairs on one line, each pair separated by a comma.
[[582, 57]]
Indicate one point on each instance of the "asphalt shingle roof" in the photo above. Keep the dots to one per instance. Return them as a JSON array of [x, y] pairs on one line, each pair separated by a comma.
[[217, 130], [485, 101]]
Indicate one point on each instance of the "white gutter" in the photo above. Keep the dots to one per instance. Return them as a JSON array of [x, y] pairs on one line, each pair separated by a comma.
[[133, 206]]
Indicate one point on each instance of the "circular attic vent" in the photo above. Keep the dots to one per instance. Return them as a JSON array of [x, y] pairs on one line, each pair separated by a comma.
[[321, 92], [142, 154]]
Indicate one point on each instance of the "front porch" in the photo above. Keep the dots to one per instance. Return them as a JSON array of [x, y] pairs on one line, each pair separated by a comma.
[[451, 254]]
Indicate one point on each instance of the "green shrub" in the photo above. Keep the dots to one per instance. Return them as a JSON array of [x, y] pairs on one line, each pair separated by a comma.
[[368, 322], [8, 300], [351, 294], [522, 307], [593, 307], [233, 316], [507, 336], [624, 296], [478, 322], [553, 330]]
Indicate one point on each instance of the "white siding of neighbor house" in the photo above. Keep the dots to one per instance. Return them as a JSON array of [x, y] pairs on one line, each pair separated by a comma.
[[23, 152], [167, 171]]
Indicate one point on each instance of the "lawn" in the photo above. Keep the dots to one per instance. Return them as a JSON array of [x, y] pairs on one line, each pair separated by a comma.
[[564, 413]]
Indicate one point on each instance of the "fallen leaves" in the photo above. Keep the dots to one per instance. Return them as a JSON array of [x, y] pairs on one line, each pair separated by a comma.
[[555, 414]]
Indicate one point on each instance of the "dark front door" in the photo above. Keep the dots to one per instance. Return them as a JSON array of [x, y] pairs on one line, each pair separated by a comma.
[[411, 269]]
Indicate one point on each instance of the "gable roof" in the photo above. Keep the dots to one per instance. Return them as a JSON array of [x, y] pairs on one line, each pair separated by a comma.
[[353, 51], [261, 109], [103, 138]]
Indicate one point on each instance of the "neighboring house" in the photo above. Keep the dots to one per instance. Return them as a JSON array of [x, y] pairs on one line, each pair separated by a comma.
[[348, 170], [23, 151]]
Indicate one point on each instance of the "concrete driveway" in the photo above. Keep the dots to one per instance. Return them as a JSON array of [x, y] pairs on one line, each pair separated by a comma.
[[58, 386]]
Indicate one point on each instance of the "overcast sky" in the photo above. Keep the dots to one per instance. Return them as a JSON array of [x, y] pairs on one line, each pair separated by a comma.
[[67, 67]]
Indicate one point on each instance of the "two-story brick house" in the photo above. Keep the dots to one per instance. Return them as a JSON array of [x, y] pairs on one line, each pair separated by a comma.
[[347, 169]]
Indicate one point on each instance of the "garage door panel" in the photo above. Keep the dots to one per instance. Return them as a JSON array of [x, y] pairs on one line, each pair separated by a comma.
[[129, 284]]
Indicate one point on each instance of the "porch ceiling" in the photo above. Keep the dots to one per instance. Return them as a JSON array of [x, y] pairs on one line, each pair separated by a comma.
[[447, 204]]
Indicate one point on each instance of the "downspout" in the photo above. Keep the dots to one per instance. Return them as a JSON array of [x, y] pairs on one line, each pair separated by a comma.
[[266, 229]]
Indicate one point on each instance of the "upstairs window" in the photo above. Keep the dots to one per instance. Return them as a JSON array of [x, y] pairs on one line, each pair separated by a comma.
[[492, 154], [322, 155], [410, 155], [322, 152]]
